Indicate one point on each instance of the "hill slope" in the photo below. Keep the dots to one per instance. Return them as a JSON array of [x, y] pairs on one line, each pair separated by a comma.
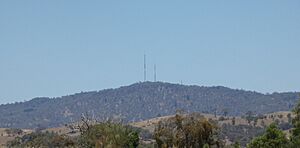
[[141, 101], [241, 131]]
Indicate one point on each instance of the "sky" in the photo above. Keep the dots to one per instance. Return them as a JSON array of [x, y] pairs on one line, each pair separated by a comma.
[[54, 48]]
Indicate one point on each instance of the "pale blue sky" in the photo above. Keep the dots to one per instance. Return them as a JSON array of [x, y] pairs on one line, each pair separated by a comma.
[[59, 47]]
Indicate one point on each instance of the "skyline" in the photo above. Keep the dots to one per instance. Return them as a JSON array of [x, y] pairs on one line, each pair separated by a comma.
[[55, 48]]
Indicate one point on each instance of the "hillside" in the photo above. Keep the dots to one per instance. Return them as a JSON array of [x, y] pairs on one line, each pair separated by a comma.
[[241, 131], [141, 101]]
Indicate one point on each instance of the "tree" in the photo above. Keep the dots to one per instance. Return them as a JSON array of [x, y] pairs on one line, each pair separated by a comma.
[[236, 145], [109, 135], [255, 121], [215, 112], [186, 131], [205, 146], [134, 139], [289, 116], [105, 134], [225, 112], [273, 138], [295, 137], [233, 121], [249, 116]]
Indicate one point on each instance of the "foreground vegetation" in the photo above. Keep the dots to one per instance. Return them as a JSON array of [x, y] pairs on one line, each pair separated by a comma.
[[91, 135], [276, 138], [187, 131], [193, 130]]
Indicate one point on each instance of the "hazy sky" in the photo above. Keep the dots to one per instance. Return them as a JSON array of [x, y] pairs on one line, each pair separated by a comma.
[[59, 47]]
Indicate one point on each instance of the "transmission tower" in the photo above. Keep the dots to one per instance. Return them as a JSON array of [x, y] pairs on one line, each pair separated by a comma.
[[145, 68], [154, 72]]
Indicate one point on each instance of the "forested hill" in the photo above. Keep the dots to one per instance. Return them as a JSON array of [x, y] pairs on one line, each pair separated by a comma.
[[141, 101]]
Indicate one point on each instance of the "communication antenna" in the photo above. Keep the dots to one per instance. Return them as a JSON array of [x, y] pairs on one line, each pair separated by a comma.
[[154, 72], [144, 67]]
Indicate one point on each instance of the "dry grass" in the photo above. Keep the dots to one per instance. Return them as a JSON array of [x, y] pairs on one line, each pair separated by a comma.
[[150, 123], [4, 137]]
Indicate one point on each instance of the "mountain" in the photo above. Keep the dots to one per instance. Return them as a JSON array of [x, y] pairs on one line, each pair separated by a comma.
[[141, 101]]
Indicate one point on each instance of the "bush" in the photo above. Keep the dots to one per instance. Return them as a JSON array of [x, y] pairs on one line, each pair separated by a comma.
[[221, 118]]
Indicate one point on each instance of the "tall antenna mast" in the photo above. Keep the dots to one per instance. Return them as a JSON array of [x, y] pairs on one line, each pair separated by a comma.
[[144, 67], [154, 72]]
